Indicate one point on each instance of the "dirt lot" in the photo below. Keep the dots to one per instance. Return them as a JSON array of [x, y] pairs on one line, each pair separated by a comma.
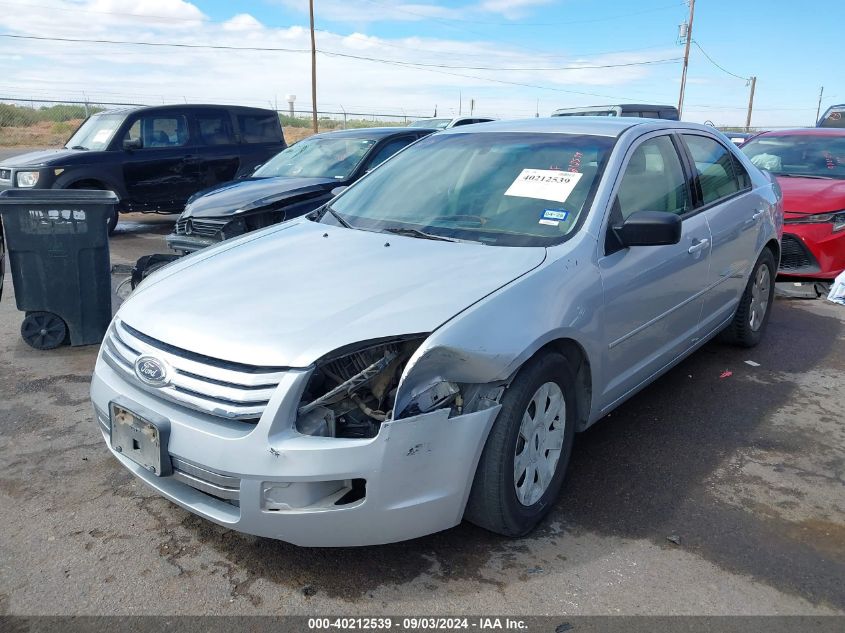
[[746, 473]]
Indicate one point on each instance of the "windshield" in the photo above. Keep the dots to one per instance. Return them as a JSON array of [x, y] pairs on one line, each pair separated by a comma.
[[96, 132], [835, 117], [318, 158], [507, 189], [799, 155], [432, 124]]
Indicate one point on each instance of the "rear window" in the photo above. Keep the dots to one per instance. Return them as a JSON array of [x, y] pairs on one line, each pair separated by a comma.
[[260, 128]]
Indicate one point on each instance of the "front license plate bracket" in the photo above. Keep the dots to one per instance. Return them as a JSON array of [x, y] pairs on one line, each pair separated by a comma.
[[140, 435]]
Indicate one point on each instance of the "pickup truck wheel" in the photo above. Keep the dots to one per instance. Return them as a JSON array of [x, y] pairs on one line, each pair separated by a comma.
[[752, 314], [524, 461]]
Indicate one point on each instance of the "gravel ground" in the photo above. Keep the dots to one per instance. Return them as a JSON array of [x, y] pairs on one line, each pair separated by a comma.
[[745, 473]]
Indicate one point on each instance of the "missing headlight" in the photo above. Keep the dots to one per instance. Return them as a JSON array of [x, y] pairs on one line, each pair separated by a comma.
[[351, 392]]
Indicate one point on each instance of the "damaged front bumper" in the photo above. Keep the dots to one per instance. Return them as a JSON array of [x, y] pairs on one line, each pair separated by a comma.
[[412, 479], [185, 244]]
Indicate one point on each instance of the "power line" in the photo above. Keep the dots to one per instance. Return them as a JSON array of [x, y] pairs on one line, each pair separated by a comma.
[[712, 61], [335, 54]]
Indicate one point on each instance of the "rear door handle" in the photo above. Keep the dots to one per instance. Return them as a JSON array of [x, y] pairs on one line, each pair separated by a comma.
[[700, 245]]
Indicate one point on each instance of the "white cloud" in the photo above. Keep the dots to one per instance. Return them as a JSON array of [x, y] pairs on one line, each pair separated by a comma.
[[136, 74]]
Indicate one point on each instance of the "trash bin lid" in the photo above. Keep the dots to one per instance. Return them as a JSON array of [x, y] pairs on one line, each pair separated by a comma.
[[57, 196]]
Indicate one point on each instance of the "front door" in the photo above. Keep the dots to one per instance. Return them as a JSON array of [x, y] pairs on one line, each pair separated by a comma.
[[163, 169], [652, 294]]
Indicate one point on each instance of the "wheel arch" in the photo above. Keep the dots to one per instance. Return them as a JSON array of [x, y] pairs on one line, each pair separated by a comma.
[[774, 246]]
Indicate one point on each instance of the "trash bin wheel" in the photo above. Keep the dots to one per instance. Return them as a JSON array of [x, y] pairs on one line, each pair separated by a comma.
[[43, 330]]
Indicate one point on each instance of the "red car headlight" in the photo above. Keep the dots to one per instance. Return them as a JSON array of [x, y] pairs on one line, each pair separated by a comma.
[[835, 217]]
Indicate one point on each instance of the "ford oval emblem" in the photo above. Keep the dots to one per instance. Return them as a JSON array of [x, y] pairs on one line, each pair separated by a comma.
[[152, 371]]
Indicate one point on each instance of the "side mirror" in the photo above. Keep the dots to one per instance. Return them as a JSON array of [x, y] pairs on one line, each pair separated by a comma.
[[649, 228], [339, 190], [132, 144]]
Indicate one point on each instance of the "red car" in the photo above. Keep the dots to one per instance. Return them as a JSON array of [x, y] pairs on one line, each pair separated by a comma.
[[810, 168]]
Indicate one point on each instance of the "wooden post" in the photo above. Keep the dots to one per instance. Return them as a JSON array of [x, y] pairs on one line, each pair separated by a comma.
[[686, 58], [313, 68], [750, 103]]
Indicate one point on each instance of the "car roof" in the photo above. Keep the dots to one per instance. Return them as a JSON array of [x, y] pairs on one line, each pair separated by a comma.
[[805, 131], [588, 125], [182, 106], [372, 132], [625, 107]]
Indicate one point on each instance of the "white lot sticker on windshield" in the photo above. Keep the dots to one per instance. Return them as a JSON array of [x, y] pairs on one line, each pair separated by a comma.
[[102, 136], [544, 184]]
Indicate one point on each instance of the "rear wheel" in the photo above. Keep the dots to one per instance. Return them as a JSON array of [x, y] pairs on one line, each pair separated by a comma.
[[752, 314], [43, 330], [524, 460]]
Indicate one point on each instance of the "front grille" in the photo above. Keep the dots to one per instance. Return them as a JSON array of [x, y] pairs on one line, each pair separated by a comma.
[[219, 388], [202, 228], [795, 258]]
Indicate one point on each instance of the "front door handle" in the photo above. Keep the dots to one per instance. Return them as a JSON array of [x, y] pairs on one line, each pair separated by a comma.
[[697, 246], [758, 215]]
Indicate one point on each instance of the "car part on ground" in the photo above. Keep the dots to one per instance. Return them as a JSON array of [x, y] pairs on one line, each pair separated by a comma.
[[334, 380]]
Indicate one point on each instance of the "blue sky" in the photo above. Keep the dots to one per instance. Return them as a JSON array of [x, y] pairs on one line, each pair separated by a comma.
[[511, 57]]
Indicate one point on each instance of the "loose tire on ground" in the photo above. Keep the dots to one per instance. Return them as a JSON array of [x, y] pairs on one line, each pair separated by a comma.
[[494, 501], [755, 306], [43, 330]]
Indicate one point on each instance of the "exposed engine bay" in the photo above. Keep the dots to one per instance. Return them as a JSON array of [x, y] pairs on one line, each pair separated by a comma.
[[351, 394]]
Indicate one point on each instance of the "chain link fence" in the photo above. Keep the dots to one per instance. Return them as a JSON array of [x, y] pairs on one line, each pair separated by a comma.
[[45, 123]]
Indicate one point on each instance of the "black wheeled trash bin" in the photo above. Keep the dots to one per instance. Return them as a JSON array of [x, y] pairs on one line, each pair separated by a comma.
[[59, 254]]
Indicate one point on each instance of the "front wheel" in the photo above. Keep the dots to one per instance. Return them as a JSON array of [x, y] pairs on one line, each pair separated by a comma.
[[524, 460], [755, 306]]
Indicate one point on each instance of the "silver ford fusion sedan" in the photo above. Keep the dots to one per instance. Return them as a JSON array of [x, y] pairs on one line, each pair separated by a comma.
[[423, 348]]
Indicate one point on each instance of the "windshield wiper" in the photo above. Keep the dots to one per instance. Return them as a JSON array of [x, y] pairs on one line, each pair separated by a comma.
[[78, 147], [409, 232], [337, 217], [806, 176]]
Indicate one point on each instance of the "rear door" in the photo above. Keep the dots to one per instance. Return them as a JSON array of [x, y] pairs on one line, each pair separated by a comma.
[[218, 150], [722, 190], [164, 171], [652, 294]]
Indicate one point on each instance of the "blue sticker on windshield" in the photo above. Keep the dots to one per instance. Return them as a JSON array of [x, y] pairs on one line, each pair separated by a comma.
[[554, 214]]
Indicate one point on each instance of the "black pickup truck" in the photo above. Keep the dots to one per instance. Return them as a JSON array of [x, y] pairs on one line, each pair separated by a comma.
[[153, 158]]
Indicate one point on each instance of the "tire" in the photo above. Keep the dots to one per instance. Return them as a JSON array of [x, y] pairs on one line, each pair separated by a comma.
[[43, 330], [497, 501], [755, 306], [112, 221]]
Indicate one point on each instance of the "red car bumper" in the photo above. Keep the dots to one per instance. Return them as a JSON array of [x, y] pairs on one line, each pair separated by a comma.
[[812, 251]]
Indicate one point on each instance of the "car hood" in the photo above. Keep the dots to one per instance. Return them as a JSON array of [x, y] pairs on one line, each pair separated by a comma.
[[812, 195], [288, 295], [42, 157], [242, 196]]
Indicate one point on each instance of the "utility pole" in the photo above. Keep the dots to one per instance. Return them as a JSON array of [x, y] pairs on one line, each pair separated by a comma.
[[819, 108], [686, 57], [750, 103], [313, 68]]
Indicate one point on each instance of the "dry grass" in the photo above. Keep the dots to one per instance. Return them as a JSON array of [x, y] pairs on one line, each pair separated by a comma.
[[41, 134]]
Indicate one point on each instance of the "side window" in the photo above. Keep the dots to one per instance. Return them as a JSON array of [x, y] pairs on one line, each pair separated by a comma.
[[389, 149], [214, 127], [259, 128], [159, 131], [715, 168], [654, 180], [741, 174]]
